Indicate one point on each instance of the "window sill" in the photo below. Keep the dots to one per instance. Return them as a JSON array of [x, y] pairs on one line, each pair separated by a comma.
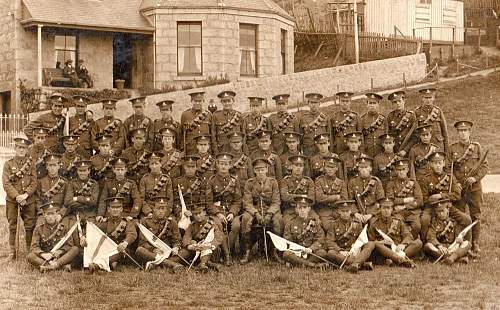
[[190, 78]]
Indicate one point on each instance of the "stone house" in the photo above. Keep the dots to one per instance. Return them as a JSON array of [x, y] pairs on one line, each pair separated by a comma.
[[147, 43]]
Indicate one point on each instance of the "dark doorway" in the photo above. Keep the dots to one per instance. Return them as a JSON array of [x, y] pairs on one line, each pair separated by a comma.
[[5, 102], [122, 58]]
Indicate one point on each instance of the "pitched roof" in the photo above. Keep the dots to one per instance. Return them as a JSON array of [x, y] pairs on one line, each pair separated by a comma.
[[250, 5], [115, 15]]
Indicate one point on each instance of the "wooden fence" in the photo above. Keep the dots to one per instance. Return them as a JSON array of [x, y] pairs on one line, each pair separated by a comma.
[[475, 4], [11, 125]]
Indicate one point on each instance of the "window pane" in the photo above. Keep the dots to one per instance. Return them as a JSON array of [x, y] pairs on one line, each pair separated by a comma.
[[195, 35], [70, 43], [59, 42], [189, 53], [189, 60], [248, 36], [183, 34]]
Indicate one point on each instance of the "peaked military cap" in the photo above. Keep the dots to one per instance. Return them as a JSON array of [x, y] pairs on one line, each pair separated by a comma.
[[154, 156], [344, 95], [346, 204], [165, 104], [83, 164], [119, 161], [197, 96], [424, 128], [402, 163], [49, 206], [264, 134], [333, 159], [202, 137], [80, 100], [283, 98], [227, 94], [386, 202], [22, 141], [303, 199], [297, 159], [137, 131], [168, 131], [115, 201], [374, 97], [463, 124], [104, 139], [57, 99], [314, 97], [363, 158], [40, 131], [353, 135], [386, 136], [71, 139], [395, 96], [197, 209], [322, 136], [256, 101], [440, 202], [260, 161], [236, 135], [190, 159], [136, 100], [427, 91], [224, 156], [108, 103], [160, 200], [51, 157], [290, 134], [438, 155]]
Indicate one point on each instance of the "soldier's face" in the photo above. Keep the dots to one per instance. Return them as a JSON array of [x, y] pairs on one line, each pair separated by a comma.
[[385, 211], [402, 173], [57, 109], [120, 171], [437, 165], [189, 170], [138, 141], [160, 212], [353, 145], [265, 143], [80, 109], [345, 214], [199, 216], [138, 109], [255, 109], [197, 105], [224, 166], [314, 106], [302, 210], [83, 173], [297, 168], [227, 104], [109, 111], [388, 146], [39, 139], [115, 211], [463, 134], [345, 104], [323, 146], [203, 147], [155, 166], [428, 99], [53, 168], [364, 170], [330, 170], [50, 216], [281, 107], [104, 149], [261, 171], [166, 113], [442, 212], [372, 106], [21, 150], [399, 104], [425, 137], [70, 147], [293, 145], [236, 144], [168, 141]]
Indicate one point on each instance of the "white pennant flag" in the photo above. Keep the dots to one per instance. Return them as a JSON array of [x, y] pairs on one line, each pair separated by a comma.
[[157, 243], [282, 245], [64, 239], [185, 221], [360, 242], [99, 248], [393, 245]]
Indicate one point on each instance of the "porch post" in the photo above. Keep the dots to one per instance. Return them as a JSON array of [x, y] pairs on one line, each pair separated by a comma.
[[39, 54]]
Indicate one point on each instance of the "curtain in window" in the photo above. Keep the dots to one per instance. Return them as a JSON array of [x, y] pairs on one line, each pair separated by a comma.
[[180, 59]]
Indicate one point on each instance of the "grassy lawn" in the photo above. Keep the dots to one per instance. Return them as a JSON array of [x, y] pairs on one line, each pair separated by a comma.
[[258, 285]]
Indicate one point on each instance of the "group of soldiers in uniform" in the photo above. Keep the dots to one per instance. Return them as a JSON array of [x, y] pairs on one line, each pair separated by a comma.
[[317, 179]]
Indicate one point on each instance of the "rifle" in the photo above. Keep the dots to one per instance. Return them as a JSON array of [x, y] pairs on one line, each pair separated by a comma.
[[264, 229], [18, 228], [474, 169], [451, 177], [408, 136]]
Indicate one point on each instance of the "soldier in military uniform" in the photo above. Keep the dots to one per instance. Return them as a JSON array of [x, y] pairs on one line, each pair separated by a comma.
[[206, 162], [304, 229], [101, 162], [164, 226], [138, 120], [430, 114], [313, 121], [82, 193], [111, 126], [136, 154], [80, 125], [294, 185], [53, 121], [292, 148], [443, 232], [353, 153], [38, 150], [52, 187], [383, 163], [254, 123], [223, 198], [344, 121], [241, 165], [171, 162], [401, 122], [118, 229], [265, 151], [317, 161], [470, 167], [281, 122], [195, 239], [373, 124], [438, 185], [48, 232], [395, 228], [191, 185], [155, 183], [196, 121], [166, 120], [19, 183], [419, 153], [261, 202], [366, 190], [226, 120], [329, 189], [341, 236], [120, 186], [70, 156], [407, 196]]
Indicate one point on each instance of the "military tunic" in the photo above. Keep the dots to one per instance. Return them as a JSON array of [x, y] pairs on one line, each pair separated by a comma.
[[135, 121], [152, 185], [156, 138], [394, 227], [193, 192], [399, 189], [127, 189], [86, 193], [431, 114], [306, 232], [275, 167], [193, 123], [342, 234], [241, 167], [137, 163], [317, 164], [225, 190], [419, 159], [171, 162], [343, 122], [372, 125], [349, 166], [52, 189], [443, 232], [281, 122], [226, 121], [326, 188], [383, 167], [68, 164], [292, 186], [102, 168], [310, 124], [286, 165], [113, 127], [369, 190], [198, 231], [205, 167], [254, 123], [119, 230], [55, 125], [80, 126], [400, 123], [165, 229]]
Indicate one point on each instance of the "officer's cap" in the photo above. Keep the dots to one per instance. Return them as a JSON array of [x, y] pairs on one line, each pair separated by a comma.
[[227, 94], [396, 96], [314, 97], [281, 99], [261, 162], [373, 97], [115, 201], [165, 104], [303, 199], [465, 124]]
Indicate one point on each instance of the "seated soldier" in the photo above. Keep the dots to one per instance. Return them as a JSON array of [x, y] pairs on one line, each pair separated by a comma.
[[155, 183], [304, 229], [261, 202], [383, 162], [241, 165], [118, 229], [48, 232], [406, 246], [122, 187], [329, 189], [443, 232], [101, 162], [341, 236], [420, 153], [197, 239], [164, 226]]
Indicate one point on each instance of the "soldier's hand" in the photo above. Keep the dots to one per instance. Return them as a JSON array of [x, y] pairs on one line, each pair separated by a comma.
[[259, 219], [83, 242], [409, 200], [175, 250], [99, 219], [157, 251], [344, 253], [58, 253], [205, 246], [129, 218], [307, 251], [399, 208], [21, 198], [470, 181], [122, 246], [188, 213], [267, 219], [111, 152], [443, 249], [400, 247], [229, 217], [401, 153], [46, 256], [221, 217], [459, 239]]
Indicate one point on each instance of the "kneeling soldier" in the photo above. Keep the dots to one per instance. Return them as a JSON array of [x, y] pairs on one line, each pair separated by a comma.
[[342, 234], [164, 226], [443, 232], [395, 228], [47, 234], [305, 229]]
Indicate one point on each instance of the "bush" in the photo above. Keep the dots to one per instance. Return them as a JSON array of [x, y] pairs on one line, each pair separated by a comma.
[[30, 97], [153, 91]]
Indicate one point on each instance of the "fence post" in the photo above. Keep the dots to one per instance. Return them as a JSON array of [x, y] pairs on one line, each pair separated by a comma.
[[453, 43], [414, 33], [404, 81], [371, 83], [430, 44]]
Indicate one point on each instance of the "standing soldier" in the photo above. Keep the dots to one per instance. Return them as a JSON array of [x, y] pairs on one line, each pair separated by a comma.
[[407, 196], [281, 122], [80, 124], [241, 165], [53, 121], [196, 121], [70, 156], [430, 114], [317, 161], [193, 189], [109, 125], [265, 151], [101, 162], [344, 121], [136, 154], [470, 167], [292, 148], [420, 153], [349, 158], [19, 183], [138, 120], [373, 124], [254, 123], [120, 186], [155, 137], [329, 189], [155, 183], [261, 202], [171, 161], [311, 122], [38, 150], [383, 163], [206, 162], [52, 187], [226, 120], [294, 185], [401, 123], [82, 193]]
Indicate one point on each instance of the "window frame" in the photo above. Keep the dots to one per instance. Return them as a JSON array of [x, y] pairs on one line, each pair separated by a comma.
[[283, 48], [198, 23], [66, 49], [255, 28]]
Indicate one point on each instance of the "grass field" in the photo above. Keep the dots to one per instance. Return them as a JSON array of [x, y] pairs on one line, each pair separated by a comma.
[[258, 285]]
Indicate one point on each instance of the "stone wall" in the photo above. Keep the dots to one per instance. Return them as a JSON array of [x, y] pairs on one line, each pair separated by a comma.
[[7, 46]]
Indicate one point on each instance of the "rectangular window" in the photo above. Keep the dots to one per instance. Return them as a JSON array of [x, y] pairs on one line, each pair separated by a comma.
[[283, 51], [425, 1], [65, 48], [189, 60], [248, 50]]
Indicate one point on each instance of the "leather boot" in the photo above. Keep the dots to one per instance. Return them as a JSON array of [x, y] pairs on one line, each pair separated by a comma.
[[202, 266], [275, 255], [176, 267]]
